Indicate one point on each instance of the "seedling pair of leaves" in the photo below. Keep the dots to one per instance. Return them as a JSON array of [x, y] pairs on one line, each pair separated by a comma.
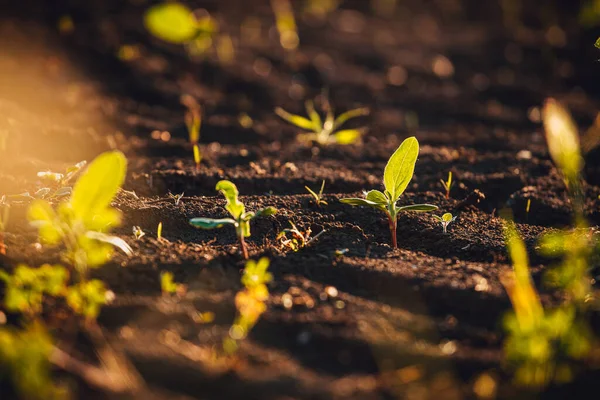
[[445, 220], [240, 217], [250, 302], [325, 132], [397, 175]]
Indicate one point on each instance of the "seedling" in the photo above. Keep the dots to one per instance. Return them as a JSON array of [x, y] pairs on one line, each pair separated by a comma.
[[325, 132], [81, 223], [168, 285], [159, 232], [250, 302], [317, 197], [397, 175], [197, 157], [87, 297], [193, 120], [447, 184], [445, 220], [286, 24], [138, 233], [298, 238], [176, 197], [241, 218]]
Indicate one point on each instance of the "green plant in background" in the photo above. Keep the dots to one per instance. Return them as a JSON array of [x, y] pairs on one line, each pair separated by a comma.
[[321, 8], [24, 360], [447, 184], [541, 346], [241, 218], [138, 233], [325, 132], [286, 24], [250, 302], [82, 222], [168, 285], [318, 197], [176, 197], [397, 175], [445, 220], [298, 238]]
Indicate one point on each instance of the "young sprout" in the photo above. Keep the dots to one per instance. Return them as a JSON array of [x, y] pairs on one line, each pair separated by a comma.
[[445, 220], [193, 119], [298, 238], [159, 232], [197, 157], [240, 217], [397, 175], [176, 197], [317, 197], [447, 184], [325, 132], [250, 302], [168, 285], [138, 233]]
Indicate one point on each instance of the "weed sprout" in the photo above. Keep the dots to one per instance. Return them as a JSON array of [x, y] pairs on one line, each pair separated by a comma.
[[447, 184], [318, 197]]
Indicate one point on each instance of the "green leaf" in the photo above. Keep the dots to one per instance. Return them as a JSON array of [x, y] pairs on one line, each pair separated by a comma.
[[209, 223], [348, 115], [354, 201], [447, 217], [400, 168], [297, 120], [41, 215], [314, 116], [114, 240], [230, 191], [172, 22], [98, 185], [347, 136], [266, 212], [597, 44], [418, 208], [377, 197]]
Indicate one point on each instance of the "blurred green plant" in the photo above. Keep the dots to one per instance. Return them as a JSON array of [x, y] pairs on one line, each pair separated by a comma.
[[168, 285], [397, 175], [325, 132], [445, 220], [241, 218], [250, 302], [286, 24]]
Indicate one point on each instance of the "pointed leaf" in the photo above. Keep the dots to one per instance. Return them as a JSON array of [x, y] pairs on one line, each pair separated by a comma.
[[400, 168], [355, 201], [209, 223], [418, 208], [230, 191], [347, 136], [114, 240], [98, 185], [314, 116], [297, 120], [348, 115], [377, 197]]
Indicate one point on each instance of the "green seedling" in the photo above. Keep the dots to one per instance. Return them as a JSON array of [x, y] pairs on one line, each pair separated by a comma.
[[168, 285], [82, 222], [87, 297], [447, 184], [197, 157], [138, 233], [176, 197], [250, 302], [397, 175], [325, 132], [298, 238], [240, 217], [541, 346], [317, 197], [445, 220], [26, 287], [159, 231]]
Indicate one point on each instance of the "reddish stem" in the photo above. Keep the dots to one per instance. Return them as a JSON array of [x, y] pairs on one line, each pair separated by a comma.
[[244, 247], [393, 225]]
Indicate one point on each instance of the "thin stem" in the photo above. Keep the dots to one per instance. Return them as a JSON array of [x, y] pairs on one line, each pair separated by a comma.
[[393, 225], [243, 247]]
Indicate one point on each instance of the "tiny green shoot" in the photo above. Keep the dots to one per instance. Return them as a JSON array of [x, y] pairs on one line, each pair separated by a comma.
[[197, 157], [397, 175], [176, 197], [250, 302], [445, 220], [325, 132], [298, 239], [138, 233], [159, 231], [318, 197], [240, 217], [447, 184]]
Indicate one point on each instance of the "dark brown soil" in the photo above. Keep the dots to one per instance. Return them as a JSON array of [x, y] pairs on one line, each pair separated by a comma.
[[433, 306]]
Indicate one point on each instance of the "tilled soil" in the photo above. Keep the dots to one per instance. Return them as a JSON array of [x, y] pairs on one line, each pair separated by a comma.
[[422, 321]]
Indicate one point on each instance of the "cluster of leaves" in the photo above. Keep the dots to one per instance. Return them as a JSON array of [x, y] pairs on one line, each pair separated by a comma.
[[240, 217], [541, 345], [325, 132], [397, 175], [297, 239], [250, 302]]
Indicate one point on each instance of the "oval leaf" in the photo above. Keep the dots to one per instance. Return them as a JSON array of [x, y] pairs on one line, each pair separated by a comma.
[[377, 197], [400, 168], [360, 202], [347, 136], [418, 208], [209, 223], [171, 22], [230, 191], [447, 217]]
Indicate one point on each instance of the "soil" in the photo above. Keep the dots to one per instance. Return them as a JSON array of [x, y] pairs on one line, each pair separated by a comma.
[[421, 321]]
